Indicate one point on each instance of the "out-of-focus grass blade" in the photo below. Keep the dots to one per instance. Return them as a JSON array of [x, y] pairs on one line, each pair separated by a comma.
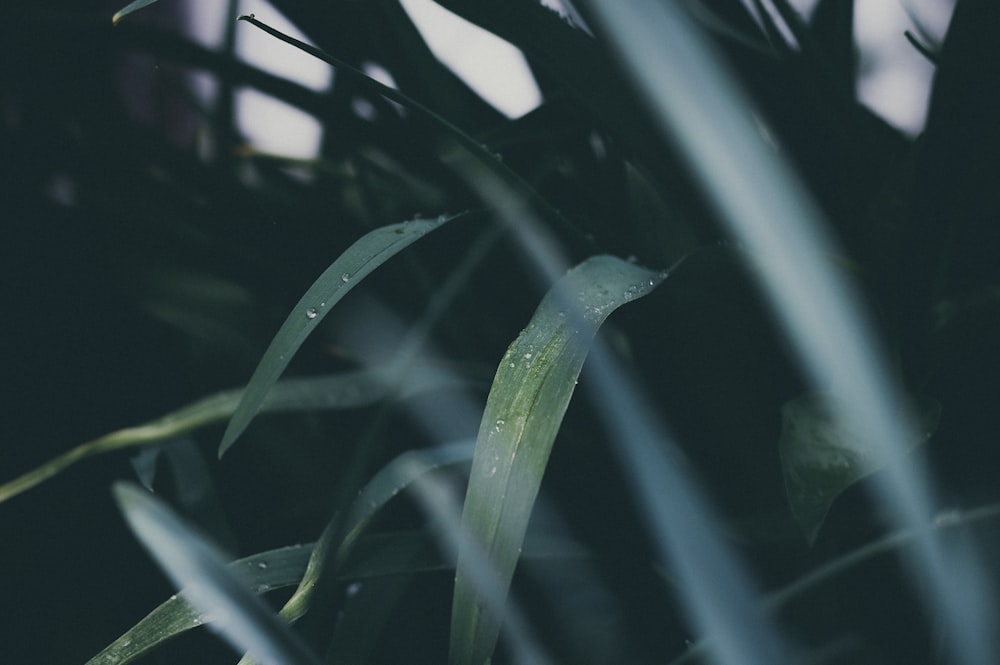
[[700, 107], [373, 557], [338, 391], [365, 255], [530, 394], [130, 8], [213, 589], [260, 573]]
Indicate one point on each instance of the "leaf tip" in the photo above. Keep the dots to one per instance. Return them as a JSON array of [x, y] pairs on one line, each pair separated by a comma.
[[127, 495]]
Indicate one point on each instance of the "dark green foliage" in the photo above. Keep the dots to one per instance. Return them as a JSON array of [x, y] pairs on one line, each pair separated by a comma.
[[150, 255]]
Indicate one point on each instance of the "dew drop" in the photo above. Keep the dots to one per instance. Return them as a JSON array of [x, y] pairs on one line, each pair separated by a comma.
[[311, 313], [262, 564], [345, 278], [498, 425], [263, 588]]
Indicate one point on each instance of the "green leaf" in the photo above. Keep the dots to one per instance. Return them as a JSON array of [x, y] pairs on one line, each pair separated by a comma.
[[130, 8], [365, 255], [194, 564], [336, 391], [260, 573], [530, 394], [821, 457], [373, 557]]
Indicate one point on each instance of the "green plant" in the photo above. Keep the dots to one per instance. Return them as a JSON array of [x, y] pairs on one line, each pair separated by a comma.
[[843, 281]]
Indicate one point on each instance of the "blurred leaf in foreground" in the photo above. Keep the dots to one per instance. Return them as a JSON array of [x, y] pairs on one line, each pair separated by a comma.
[[130, 8]]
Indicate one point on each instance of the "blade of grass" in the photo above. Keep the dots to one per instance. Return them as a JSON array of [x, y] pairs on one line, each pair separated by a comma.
[[530, 394], [339, 391], [365, 255], [372, 557], [780, 600], [701, 108], [130, 8], [194, 563], [274, 569]]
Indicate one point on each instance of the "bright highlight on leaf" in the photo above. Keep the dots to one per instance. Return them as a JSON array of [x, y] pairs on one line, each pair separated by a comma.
[[525, 408], [130, 8]]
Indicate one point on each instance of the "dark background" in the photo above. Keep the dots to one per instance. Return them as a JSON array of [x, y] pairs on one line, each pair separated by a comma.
[[104, 197]]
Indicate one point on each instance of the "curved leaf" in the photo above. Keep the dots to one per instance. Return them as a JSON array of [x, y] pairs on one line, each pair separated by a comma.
[[260, 573], [194, 564], [365, 255], [337, 391], [130, 8], [530, 394]]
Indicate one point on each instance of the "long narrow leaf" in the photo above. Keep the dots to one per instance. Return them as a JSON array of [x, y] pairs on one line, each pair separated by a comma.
[[337, 391], [274, 569], [530, 394], [700, 107], [373, 557], [196, 566], [130, 8], [365, 255]]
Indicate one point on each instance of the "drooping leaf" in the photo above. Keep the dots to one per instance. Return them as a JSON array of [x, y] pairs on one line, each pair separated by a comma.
[[130, 8], [337, 391], [530, 394], [365, 255], [821, 457], [274, 569], [194, 564]]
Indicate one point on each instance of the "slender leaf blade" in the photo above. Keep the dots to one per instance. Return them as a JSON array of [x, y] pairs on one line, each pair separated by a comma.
[[274, 569], [194, 564], [335, 391], [530, 394], [365, 255], [130, 8]]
